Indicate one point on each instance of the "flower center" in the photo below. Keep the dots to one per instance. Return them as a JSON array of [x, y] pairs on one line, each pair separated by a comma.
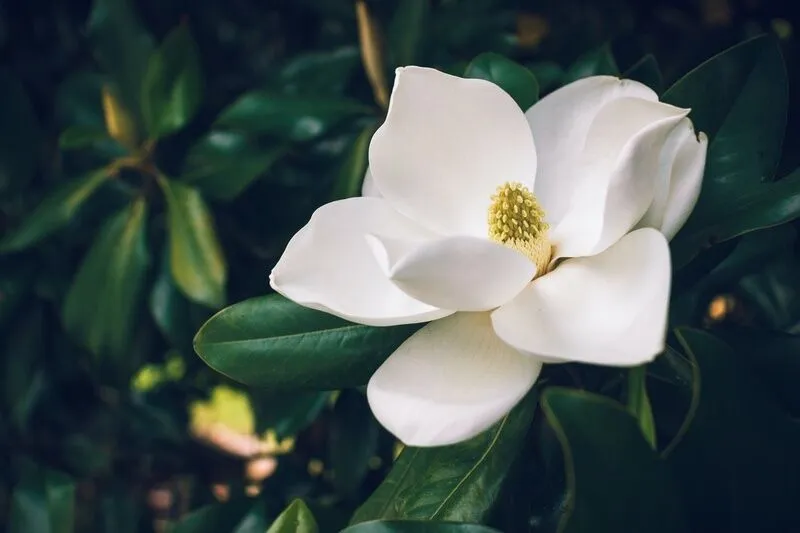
[[517, 220]]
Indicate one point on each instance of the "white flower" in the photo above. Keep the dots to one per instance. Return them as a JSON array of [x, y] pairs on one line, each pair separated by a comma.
[[517, 261]]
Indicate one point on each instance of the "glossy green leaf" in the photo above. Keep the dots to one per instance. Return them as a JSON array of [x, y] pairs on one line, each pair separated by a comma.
[[458, 482], [81, 136], [20, 137], [599, 62], [286, 413], [407, 31], [101, 307], [296, 518], [512, 77], [412, 526], [55, 211], [353, 441], [639, 403], [289, 117], [739, 99], [354, 166], [323, 72], [769, 295], [548, 74], [172, 86], [273, 342], [197, 262], [646, 71], [630, 489], [43, 501], [170, 309], [739, 456], [224, 163], [122, 47]]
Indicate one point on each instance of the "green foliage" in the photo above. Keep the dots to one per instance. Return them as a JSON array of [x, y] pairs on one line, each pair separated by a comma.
[[515, 79], [297, 518]]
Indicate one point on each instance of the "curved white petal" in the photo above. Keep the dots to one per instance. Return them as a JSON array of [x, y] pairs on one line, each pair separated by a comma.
[[607, 309], [449, 381], [560, 124], [328, 265], [687, 180], [680, 182], [621, 161], [460, 273], [446, 145], [368, 187]]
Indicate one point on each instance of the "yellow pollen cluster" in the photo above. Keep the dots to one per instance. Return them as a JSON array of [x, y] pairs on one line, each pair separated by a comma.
[[517, 220]]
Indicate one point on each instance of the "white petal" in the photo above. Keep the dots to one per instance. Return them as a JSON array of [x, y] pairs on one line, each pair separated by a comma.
[[460, 273], [446, 145], [621, 161], [328, 265], [560, 124], [687, 179], [368, 187], [682, 176], [449, 381], [607, 309]]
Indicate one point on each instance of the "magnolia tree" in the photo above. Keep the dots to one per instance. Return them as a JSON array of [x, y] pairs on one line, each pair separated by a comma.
[[430, 291]]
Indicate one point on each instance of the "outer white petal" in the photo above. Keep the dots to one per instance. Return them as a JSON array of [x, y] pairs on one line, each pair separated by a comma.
[[446, 145], [368, 187], [460, 273], [687, 180], [608, 309], [680, 182], [328, 265], [449, 381], [560, 124], [622, 161]]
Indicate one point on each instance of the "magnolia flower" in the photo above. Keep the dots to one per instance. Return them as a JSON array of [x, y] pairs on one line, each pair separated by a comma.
[[518, 254]]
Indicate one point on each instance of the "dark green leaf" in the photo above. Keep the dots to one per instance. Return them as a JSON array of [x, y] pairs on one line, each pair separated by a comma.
[[43, 501], [296, 518], [216, 518], [55, 211], [172, 87], [20, 137], [224, 163], [80, 136], [769, 295], [646, 71], [101, 307], [739, 99], [407, 31], [316, 73], [16, 278], [170, 309], [121, 46], [22, 375], [273, 342], [354, 166], [286, 413], [197, 262], [289, 117], [739, 456], [639, 403], [512, 77], [548, 74], [630, 489], [353, 441], [410, 526], [597, 62], [458, 482]]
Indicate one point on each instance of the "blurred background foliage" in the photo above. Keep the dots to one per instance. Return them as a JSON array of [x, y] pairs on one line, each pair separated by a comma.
[[155, 158]]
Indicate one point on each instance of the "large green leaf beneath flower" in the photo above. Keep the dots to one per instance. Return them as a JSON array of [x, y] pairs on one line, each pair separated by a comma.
[[739, 99], [224, 163], [615, 481], [458, 482], [512, 77], [172, 86], [273, 342], [296, 518], [20, 137], [55, 211], [290, 117], [122, 47], [407, 31], [101, 307], [737, 464], [196, 260], [413, 526], [43, 501]]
